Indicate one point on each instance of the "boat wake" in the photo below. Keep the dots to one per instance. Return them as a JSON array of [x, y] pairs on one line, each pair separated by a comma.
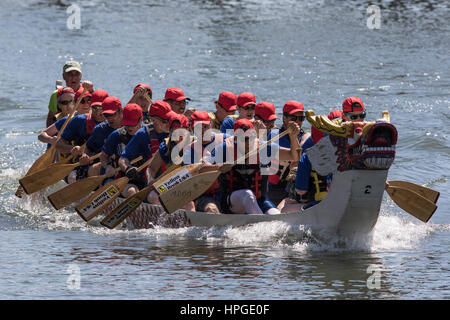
[[393, 230]]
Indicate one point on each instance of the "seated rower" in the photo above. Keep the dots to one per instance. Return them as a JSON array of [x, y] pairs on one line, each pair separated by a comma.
[[244, 187], [246, 104], [115, 145], [265, 117], [225, 107], [142, 96], [146, 140], [65, 100], [293, 112], [205, 141], [77, 132], [178, 101], [170, 153]]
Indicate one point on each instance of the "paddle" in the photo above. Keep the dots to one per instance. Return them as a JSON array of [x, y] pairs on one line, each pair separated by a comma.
[[77, 190], [48, 176], [425, 192], [167, 181], [411, 202], [194, 187], [95, 203], [49, 156]]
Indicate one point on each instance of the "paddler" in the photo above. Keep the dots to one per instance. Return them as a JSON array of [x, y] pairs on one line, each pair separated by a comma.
[[246, 104], [244, 187], [146, 141], [78, 130], [142, 96], [115, 144], [48, 135], [305, 184], [226, 106], [170, 153], [205, 141], [293, 112], [178, 101], [72, 76]]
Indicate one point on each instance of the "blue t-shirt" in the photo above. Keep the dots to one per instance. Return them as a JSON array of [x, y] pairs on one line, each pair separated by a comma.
[[140, 145], [228, 123], [303, 173], [98, 136], [76, 130]]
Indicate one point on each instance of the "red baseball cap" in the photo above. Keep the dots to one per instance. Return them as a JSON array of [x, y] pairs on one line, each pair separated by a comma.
[[160, 109], [246, 98], [266, 110], [110, 105], [98, 96], [335, 114], [292, 107], [64, 90], [175, 94], [181, 121], [79, 92], [243, 123], [200, 116], [352, 104], [145, 86], [227, 100], [131, 114]]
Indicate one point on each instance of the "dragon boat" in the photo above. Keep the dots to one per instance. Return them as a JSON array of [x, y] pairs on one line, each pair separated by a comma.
[[358, 155]]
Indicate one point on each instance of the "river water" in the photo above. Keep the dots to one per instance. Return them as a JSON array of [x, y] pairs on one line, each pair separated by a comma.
[[317, 52]]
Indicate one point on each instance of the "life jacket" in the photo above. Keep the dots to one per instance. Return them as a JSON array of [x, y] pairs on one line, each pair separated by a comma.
[[284, 166], [216, 124], [243, 176], [318, 186]]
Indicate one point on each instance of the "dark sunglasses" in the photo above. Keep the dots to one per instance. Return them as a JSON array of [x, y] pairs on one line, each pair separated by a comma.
[[65, 102], [294, 118], [356, 116], [83, 101], [96, 107], [110, 115]]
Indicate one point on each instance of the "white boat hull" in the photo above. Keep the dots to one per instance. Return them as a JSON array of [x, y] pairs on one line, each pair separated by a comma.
[[351, 207]]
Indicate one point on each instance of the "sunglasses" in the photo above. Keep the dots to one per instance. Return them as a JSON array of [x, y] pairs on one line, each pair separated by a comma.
[[110, 115], [65, 102], [83, 101], [294, 118], [96, 107], [248, 107], [356, 116]]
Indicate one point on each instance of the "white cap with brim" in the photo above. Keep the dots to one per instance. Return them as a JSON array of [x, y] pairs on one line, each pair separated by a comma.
[[72, 65]]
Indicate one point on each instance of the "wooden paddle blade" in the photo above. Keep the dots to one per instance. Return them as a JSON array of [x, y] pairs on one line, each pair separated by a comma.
[[127, 207], [94, 204], [425, 192], [41, 163], [188, 190], [74, 191], [46, 177], [412, 202]]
